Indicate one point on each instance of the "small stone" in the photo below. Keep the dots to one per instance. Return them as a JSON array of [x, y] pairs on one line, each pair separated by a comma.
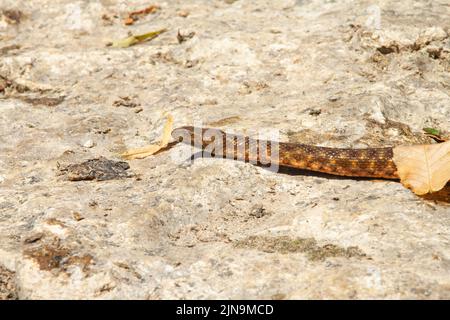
[[258, 211], [315, 112], [209, 102], [434, 34], [182, 37], [128, 21], [278, 296], [77, 216], [190, 63], [89, 144], [434, 52], [183, 13], [93, 203], [32, 179], [33, 238], [333, 98]]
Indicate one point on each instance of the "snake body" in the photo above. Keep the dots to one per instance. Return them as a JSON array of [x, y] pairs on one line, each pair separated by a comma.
[[368, 162]]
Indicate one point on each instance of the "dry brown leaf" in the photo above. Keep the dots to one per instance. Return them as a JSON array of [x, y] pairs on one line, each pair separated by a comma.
[[423, 168], [134, 16], [140, 153]]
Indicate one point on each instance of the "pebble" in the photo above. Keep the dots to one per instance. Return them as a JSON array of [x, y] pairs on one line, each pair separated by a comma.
[[183, 13], [89, 144]]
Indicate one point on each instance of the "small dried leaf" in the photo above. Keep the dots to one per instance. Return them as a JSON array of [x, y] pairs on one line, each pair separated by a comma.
[[133, 16], [423, 168], [151, 149]]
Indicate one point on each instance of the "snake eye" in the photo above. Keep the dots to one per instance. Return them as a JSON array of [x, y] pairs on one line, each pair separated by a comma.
[[181, 134]]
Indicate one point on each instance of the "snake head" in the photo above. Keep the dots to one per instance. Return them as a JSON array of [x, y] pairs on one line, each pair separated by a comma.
[[198, 137]]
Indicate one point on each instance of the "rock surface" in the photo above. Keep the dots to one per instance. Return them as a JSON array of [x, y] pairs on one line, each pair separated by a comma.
[[342, 74]]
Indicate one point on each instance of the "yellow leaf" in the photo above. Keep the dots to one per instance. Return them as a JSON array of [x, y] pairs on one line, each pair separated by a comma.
[[423, 168], [167, 131], [132, 40], [140, 153]]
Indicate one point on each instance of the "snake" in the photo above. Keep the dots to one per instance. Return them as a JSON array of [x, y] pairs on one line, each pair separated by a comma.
[[359, 163]]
